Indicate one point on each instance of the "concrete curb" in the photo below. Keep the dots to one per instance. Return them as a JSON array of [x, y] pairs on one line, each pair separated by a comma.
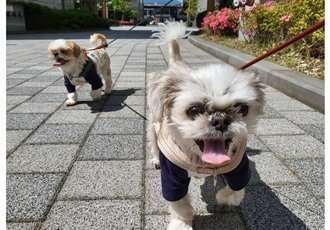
[[299, 86]]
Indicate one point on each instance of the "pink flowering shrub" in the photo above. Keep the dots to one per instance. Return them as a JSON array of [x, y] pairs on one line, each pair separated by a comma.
[[220, 22], [275, 23]]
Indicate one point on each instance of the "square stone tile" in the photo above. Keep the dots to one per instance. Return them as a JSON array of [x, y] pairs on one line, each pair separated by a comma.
[[55, 89], [304, 117], [14, 138], [123, 111], [24, 90], [277, 96], [315, 130], [48, 77], [30, 196], [128, 91], [255, 144], [294, 146], [287, 206], [41, 158], [35, 84], [155, 204], [290, 105], [36, 108], [59, 134], [267, 168], [276, 127], [130, 84], [156, 221], [94, 215], [270, 113], [226, 220], [103, 179], [109, 147], [72, 117], [311, 172], [21, 75], [22, 226], [118, 126], [24, 120], [48, 97], [129, 100], [14, 81], [14, 100]]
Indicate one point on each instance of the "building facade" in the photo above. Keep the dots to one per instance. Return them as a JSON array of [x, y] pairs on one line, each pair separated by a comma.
[[170, 12]]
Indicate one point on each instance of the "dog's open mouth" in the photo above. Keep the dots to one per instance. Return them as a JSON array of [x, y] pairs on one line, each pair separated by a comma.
[[214, 150], [59, 62]]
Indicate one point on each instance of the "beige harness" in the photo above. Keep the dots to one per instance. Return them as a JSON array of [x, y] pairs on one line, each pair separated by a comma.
[[177, 157]]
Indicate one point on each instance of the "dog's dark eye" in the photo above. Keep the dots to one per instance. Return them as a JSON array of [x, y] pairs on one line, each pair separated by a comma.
[[243, 109], [194, 111]]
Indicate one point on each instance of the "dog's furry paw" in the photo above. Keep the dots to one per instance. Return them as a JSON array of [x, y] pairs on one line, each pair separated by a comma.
[[155, 163], [96, 94], [230, 197], [107, 91], [70, 102], [72, 99], [177, 224]]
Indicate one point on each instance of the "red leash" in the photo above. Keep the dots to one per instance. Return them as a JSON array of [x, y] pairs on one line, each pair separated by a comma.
[[317, 26]]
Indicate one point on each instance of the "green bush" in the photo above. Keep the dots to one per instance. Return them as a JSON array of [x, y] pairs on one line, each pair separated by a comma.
[[189, 23], [39, 17], [112, 22], [274, 22]]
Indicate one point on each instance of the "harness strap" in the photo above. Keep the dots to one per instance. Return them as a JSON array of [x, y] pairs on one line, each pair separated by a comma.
[[87, 68], [174, 154]]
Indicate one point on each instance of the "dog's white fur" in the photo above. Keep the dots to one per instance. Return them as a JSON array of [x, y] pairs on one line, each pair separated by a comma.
[[221, 89], [75, 60]]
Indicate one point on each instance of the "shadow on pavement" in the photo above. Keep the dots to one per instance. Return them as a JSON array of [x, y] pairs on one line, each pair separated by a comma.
[[260, 208]]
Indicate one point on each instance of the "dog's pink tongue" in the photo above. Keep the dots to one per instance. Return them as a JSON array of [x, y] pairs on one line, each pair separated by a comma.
[[59, 62], [214, 152]]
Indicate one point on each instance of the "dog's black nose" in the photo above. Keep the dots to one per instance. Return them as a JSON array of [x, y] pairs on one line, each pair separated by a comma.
[[55, 54], [221, 122]]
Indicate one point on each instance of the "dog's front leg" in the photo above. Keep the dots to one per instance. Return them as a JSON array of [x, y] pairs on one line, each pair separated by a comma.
[[181, 214], [72, 99], [152, 141], [230, 197]]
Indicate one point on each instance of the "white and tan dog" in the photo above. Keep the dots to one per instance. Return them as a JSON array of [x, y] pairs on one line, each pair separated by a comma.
[[198, 126], [80, 66]]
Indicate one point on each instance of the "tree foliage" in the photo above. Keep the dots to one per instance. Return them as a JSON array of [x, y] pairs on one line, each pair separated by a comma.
[[190, 7], [121, 6]]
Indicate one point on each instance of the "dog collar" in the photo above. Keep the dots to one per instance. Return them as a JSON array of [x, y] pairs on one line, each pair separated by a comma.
[[174, 154]]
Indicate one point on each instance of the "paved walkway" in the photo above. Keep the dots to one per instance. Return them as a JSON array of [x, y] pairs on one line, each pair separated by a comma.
[[87, 167]]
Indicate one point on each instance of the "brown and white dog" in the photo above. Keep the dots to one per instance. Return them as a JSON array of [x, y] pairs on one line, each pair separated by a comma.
[[198, 126], [79, 66]]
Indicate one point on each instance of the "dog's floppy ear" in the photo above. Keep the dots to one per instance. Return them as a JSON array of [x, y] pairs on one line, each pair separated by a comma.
[[162, 89], [75, 48], [255, 82]]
